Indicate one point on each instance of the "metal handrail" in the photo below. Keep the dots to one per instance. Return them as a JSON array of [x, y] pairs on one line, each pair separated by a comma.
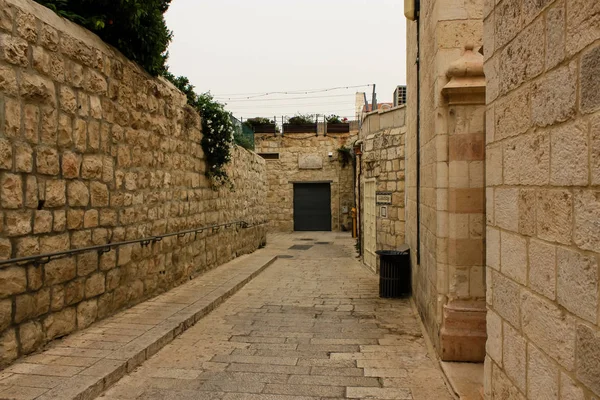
[[105, 248]]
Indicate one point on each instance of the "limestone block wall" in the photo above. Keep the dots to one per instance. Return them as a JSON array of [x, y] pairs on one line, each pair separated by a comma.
[[383, 135], [284, 171], [445, 28], [543, 199], [92, 151]]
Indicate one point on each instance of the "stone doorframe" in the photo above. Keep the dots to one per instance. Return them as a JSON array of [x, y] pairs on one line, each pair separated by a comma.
[[370, 223]]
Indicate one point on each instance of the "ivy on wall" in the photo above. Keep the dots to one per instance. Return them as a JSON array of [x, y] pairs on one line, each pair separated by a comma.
[[217, 129]]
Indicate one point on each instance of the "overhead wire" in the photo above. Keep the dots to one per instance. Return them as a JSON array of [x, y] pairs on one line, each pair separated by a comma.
[[241, 96]]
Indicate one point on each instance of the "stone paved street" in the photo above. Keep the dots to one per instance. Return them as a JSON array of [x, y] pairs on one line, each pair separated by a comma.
[[308, 327]]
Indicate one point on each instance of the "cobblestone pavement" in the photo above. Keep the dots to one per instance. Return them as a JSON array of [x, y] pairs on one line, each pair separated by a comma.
[[308, 327]]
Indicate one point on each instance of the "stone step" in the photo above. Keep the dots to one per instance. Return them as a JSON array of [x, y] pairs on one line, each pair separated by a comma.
[[85, 363]]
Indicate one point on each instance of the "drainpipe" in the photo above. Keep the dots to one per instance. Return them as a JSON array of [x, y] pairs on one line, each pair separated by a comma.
[[358, 152], [418, 139]]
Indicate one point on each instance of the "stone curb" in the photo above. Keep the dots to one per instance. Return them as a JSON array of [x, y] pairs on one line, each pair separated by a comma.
[[91, 382]]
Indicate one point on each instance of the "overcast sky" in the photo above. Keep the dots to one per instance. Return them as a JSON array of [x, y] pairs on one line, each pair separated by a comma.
[[234, 48]]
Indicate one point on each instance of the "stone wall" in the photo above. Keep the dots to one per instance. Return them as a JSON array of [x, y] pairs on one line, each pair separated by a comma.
[[287, 169], [445, 28], [543, 199], [92, 151], [382, 134]]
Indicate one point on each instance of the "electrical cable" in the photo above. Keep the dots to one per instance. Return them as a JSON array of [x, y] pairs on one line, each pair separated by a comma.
[[309, 91]]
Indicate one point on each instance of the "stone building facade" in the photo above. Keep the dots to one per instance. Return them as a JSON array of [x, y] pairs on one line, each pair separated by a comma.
[[303, 158], [445, 176], [543, 199], [95, 151], [380, 165]]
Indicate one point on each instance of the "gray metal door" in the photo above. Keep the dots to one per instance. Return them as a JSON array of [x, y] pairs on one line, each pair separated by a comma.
[[312, 207]]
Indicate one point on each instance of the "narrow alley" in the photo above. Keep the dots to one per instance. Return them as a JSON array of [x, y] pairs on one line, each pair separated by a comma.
[[310, 326]]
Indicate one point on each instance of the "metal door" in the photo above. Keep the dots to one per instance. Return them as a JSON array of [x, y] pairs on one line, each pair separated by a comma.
[[312, 207], [370, 224]]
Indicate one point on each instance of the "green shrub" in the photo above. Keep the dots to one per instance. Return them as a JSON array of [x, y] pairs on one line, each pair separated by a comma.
[[136, 27], [301, 119], [252, 122], [217, 129]]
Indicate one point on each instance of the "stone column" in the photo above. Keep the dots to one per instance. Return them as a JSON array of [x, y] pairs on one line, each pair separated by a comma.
[[463, 333]]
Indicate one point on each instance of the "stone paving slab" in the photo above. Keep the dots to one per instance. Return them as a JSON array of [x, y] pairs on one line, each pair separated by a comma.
[[311, 327], [85, 363]]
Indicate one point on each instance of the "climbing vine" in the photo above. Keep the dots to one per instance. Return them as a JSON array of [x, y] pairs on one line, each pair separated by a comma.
[[217, 129]]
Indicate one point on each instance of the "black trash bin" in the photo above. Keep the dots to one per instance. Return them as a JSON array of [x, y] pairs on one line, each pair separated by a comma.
[[394, 272]]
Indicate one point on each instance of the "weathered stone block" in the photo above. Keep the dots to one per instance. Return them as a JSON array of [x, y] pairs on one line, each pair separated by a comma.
[[99, 194], [60, 323], [8, 81], [74, 291], [47, 161], [9, 349], [549, 328], [78, 194], [523, 58], [23, 157], [493, 248], [590, 88], [542, 375], [38, 89], [42, 221], [71, 165], [5, 314], [60, 220], [494, 336], [59, 271], [49, 126], [35, 278], [87, 313], [54, 243], [57, 298], [552, 103], [542, 268], [13, 280], [13, 50], [87, 263], [90, 219], [577, 283], [582, 24], [514, 350], [65, 131], [32, 192], [31, 123], [11, 191], [587, 214], [27, 246], [506, 206], [513, 250], [554, 215], [92, 167], [508, 21], [95, 285], [28, 306], [5, 249], [506, 299], [588, 357], [6, 157], [18, 223], [555, 36], [31, 336], [55, 193], [49, 37], [502, 387], [12, 118]]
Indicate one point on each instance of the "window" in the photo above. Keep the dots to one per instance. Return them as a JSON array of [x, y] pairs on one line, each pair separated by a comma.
[[269, 156]]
